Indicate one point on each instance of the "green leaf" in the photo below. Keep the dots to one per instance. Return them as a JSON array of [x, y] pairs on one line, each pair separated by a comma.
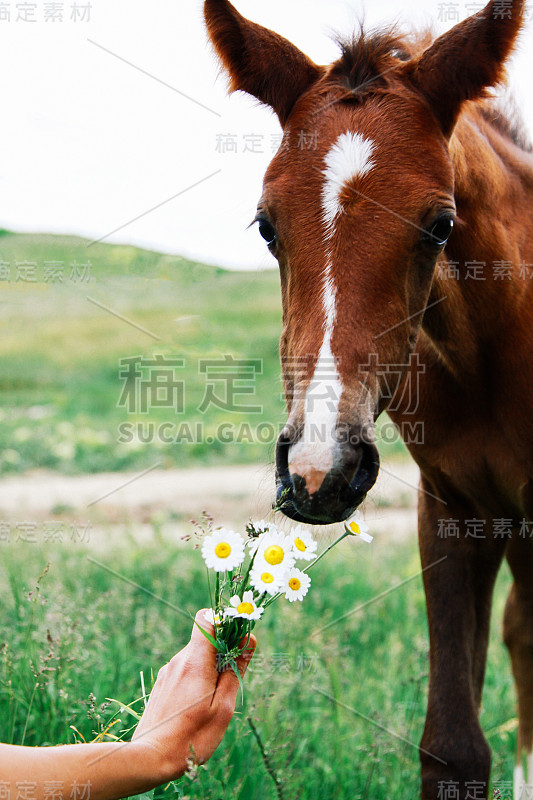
[[126, 707], [235, 668], [208, 636]]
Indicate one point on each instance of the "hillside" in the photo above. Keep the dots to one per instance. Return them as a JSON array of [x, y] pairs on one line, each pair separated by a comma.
[[79, 382]]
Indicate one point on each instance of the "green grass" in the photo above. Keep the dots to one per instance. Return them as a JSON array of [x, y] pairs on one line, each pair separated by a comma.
[[60, 383], [86, 631]]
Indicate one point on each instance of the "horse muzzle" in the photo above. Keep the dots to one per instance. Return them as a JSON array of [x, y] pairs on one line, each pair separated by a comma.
[[321, 491]]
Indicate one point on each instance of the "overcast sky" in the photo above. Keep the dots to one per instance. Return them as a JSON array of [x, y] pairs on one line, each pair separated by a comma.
[[88, 142]]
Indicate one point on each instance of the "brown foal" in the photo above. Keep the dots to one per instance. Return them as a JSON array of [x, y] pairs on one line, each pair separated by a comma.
[[403, 238]]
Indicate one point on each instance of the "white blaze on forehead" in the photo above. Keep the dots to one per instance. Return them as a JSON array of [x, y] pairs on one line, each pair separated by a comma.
[[349, 158], [316, 447]]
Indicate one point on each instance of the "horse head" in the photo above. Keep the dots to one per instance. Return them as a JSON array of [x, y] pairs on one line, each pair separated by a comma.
[[357, 222]]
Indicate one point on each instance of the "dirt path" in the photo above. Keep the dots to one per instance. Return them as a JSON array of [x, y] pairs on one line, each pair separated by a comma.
[[139, 501]]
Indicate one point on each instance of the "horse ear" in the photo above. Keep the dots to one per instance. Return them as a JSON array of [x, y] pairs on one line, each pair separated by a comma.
[[258, 60], [462, 63]]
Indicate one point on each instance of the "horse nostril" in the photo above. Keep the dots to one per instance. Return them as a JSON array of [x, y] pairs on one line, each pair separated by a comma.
[[282, 454], [367, 468], [352, 458]]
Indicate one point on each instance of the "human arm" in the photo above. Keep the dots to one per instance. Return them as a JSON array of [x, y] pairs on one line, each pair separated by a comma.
[[188, 712]]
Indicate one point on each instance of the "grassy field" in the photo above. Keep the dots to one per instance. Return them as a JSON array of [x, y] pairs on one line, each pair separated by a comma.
[[60, 382], [72, 634], [84, 635]]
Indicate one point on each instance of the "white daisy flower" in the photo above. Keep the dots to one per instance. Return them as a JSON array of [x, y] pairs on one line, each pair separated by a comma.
[[274, 553], [264, 579], [210, 616], [358, 527], [245, 608], [223, 550], [303, 544], [296, 584]]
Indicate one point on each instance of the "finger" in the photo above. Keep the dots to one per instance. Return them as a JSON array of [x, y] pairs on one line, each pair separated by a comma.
[[198, 640], [228, 683], [249, 645], [200, 651]]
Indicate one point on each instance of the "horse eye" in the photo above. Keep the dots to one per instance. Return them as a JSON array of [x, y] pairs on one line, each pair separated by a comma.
[[267, 231], [439, 232]]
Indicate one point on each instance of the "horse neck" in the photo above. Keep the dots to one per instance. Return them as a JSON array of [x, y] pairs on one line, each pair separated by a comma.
[[484, 282]]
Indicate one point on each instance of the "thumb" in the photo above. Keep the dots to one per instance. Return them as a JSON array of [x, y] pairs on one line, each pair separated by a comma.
[[200, 647]]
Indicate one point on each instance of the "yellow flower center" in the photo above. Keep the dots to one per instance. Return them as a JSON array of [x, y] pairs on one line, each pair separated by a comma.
[[266, 577], [245, 608], [295, 584], [299, 545], [354, 527], [274, 554], [222, 550]]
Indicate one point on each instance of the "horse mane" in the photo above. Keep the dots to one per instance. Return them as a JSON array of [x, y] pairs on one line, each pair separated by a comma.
[[367, 65], [504, 115], [368, 59]]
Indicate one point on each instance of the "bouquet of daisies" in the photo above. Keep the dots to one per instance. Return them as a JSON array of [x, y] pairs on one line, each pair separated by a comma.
[[250, 575]]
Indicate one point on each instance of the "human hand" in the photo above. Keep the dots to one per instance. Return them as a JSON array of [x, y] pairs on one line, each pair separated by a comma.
[[190, 706]]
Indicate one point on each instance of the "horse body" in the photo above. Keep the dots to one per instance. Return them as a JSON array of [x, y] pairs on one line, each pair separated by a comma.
[[384, 309], [476, 339], [476, 458]]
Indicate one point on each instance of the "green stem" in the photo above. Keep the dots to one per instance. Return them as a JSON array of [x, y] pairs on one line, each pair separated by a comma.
[[213, 605], [315, 562], [29, 712], [210, 592], [247, 575], [267, 762], [271, 599]]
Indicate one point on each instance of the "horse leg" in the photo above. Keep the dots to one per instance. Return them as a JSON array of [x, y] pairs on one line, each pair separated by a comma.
[[454, 754], [518, 636]]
